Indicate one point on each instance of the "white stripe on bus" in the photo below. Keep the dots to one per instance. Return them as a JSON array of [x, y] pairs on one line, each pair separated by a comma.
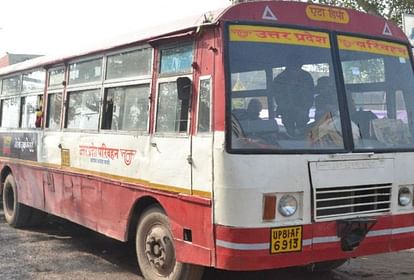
[[308, 242]]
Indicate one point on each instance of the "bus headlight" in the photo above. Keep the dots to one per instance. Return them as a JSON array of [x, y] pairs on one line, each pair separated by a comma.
[[288, 205], [404, 196]]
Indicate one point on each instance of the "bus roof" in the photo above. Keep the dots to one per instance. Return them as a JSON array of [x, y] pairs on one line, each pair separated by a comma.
[[267, 12]]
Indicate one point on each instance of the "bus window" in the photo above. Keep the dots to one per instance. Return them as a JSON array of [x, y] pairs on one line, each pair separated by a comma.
[[56, 83], [204, 105], [56, 77], [126, 108], [54, 110], [177, 59], [11, 85], [34, 81], [85, 72], [129, 64], [29, 106], [83, 109], [287, 87], [172, 113], [378, 88], [10, 112]]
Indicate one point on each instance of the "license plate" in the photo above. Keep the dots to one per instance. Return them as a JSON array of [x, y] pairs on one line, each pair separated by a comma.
[[286, 239]]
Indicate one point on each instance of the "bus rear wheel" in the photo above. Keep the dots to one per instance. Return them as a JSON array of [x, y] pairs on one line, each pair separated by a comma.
[[155, 249], [17, 215]]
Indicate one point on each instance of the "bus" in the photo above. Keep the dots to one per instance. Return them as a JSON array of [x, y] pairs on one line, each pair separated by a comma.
[[265, 135]]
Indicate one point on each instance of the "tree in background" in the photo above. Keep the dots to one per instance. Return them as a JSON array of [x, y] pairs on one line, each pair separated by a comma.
[[390, 9]]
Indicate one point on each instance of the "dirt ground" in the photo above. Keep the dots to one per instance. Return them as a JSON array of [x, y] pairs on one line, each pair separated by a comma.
[[62, 250]]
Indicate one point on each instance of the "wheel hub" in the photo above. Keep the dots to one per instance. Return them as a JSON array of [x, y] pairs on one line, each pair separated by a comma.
[[159, 250]]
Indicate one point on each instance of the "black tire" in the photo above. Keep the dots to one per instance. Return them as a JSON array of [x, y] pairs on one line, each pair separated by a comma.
[[37, 218], [155, 249], [17, 215]]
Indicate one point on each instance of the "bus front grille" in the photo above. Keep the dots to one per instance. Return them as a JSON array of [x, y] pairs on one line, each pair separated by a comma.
[[347, 202]]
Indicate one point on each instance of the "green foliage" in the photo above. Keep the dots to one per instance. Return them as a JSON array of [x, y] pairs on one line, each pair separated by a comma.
[[390, 9]]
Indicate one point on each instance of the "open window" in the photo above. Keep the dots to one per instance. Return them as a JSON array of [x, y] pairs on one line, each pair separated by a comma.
[[174, 88], [83, 109], [126, 108]]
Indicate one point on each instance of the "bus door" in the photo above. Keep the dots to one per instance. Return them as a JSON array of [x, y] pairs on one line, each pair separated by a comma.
[[170, 159], [202, 141]]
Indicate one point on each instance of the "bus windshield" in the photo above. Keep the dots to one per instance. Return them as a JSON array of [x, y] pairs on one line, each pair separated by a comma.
[[284, 93], [379, 86]]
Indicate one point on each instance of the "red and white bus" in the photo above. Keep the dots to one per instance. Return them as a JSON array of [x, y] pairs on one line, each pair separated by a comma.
[[265, 135]]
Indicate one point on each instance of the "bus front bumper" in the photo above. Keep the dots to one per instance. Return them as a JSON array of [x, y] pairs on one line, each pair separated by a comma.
[[255, 249]]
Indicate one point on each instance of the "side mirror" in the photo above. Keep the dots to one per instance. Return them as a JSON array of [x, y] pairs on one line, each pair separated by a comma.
[[184, 88]]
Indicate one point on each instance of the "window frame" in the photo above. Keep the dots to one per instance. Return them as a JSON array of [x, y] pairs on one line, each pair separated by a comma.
[[160, 81], [125, 85], [172, 77], [64, 82], [204, 78], [131, 78], [46, 119], [344, 92], [171, 46], [56, 89], [19, 106], [341, 91], [25, 95], [227, 76], [127, 82], [66, 105], [18, 92], [70, 86], [28, 92]]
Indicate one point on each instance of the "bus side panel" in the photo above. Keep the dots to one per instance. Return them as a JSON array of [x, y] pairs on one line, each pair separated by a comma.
[[194, 214], [117, 202], [106, 207], [184, 213], [29, 184]]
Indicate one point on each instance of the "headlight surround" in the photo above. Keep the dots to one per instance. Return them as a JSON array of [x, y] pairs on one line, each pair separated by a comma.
[[404, 196], [288, 205]]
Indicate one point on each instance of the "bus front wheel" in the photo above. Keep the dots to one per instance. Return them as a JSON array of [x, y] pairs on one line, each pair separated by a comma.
[[155, 249], [17, 215]]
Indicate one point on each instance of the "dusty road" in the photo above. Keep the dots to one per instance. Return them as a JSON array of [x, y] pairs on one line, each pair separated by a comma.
[[62, 250]]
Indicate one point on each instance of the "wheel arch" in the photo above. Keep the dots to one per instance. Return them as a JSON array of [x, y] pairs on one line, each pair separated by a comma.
[[3, 175], [139, 207]]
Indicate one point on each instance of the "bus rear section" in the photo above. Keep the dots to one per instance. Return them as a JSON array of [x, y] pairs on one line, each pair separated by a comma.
[[319, 143]]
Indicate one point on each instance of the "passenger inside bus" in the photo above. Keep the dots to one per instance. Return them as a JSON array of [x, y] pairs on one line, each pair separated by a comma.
[[293, 91], [248, 124], [326, 99], [253, 109], [326, 130], [363, 119], [39, 117]]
